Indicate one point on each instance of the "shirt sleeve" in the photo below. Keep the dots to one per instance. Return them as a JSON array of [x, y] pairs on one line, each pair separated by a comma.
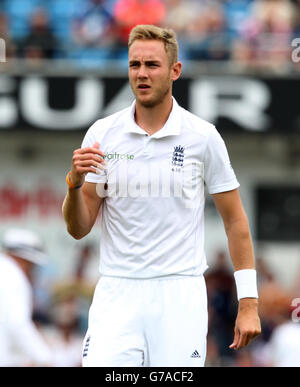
[[89, 140], [219, 175]]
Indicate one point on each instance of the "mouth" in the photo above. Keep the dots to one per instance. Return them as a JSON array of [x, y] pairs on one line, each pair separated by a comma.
[[143, 87]]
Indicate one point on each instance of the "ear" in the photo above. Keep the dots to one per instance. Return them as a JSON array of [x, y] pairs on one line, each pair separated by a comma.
[[176, 70]]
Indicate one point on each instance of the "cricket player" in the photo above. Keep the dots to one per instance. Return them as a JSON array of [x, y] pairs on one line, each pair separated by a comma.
[[21, 343], [144, 168]]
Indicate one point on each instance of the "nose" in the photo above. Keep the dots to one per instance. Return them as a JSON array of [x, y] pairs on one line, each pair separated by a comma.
[[142, 73]]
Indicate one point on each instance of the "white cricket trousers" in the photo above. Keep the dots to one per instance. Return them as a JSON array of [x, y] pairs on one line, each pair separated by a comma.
[[151, 323]]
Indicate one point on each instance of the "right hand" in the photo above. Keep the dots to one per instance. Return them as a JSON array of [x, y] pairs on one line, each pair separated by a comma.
[[86, 160]]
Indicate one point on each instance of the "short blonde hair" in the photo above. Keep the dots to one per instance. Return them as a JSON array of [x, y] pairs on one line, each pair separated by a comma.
[[151, 32]]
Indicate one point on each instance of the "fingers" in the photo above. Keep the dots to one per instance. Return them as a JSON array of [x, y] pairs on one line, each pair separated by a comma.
[[91, 163], [89, 159], [92, 149], [241, 339], [236, 339]]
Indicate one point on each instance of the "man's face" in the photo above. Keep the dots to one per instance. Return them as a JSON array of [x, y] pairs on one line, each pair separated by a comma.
[[150, 73]]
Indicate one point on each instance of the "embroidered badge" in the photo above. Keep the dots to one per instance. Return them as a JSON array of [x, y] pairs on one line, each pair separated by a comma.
[[177, 158]]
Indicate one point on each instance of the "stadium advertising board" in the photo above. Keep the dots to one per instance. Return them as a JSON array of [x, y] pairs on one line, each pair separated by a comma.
[[232, 103]]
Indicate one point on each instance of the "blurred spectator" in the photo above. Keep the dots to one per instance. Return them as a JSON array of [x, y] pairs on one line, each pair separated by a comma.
[[207, 35], [40, 43], [268, 32], [274, 310], [264, 274], [274, 304], [284, 345], [212, 353], [10, 46], [68, 311], [297, 19], [295, 289], [244, 358], [242, 54], [217, 44], [221, 305], [236, 12], [129, 13], [296, 33], [87, 268], [94, 25], [275, 300], [275, 15], [81, 284], [283, 348], [279, 343], [21, 344], [181, 16], [63, 335], [253, 34]]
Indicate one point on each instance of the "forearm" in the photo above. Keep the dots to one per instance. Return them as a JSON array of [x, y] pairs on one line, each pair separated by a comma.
[[76, 214], [240, 244], [242, 255]]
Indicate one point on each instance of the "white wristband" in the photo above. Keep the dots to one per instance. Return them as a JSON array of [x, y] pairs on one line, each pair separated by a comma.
[[246, 285]]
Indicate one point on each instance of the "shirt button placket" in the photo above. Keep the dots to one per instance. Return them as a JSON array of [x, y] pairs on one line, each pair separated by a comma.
[[148, 145]]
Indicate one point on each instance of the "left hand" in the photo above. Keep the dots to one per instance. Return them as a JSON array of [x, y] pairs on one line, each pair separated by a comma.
[[247, 324]]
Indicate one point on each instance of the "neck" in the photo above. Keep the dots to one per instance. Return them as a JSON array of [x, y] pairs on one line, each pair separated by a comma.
[[152, 119]]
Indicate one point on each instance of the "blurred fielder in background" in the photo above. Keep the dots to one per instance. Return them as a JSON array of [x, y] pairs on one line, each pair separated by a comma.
[[21, 344], [150, 307]]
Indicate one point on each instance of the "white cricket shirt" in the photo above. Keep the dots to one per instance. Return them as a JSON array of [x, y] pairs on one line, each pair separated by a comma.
[[152, 221]]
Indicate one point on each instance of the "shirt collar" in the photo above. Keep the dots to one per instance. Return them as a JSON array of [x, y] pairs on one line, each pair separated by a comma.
[[171, 128]]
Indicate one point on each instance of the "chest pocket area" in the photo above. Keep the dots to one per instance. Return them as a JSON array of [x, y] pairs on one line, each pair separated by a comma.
[[192, 181]]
